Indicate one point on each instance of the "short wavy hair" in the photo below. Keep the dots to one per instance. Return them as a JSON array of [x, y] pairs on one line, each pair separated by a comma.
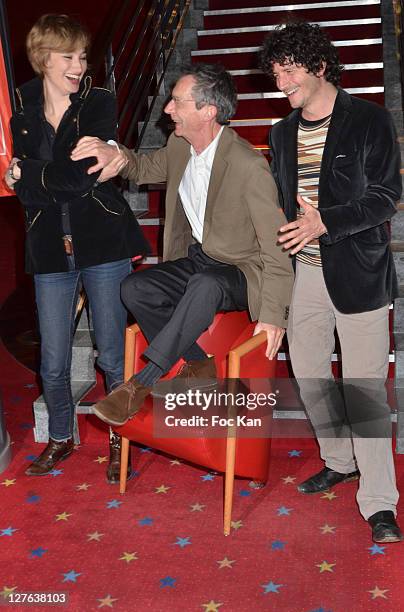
[[304, 44], [52, 32], [214, 85]]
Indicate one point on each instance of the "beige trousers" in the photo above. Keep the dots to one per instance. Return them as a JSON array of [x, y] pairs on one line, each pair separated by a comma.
[[364, 341]]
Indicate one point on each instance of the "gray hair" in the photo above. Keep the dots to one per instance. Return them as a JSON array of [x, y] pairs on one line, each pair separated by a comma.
[[214, 85]]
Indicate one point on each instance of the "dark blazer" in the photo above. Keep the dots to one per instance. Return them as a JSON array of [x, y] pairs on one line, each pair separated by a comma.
[[359, 185], [102, 225]]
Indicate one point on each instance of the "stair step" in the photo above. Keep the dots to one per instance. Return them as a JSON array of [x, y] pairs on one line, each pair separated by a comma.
[[243, 56], [342, 29], [240, 4], [258, 16], [397, 246]]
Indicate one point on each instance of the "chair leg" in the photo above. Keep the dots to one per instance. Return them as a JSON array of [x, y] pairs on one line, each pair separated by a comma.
[[229, 484], [124, 464]]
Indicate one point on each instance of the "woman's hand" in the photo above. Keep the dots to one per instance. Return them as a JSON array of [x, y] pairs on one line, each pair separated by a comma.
[[13, 173]]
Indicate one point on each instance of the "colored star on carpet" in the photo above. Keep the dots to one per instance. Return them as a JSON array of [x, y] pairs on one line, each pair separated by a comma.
[[282, 511], [208, 477], [277, 545], [327, 529], [376, 592], [377, 550], [175, 462], [330, 495], [145, 521], [197, 507], [162, 489], [71, 576], [8, 532], [9, 482], [168, 581], [101, 459], [83, 487], [295, 453], [128, 557], [64, 516], [289, 479], [237, 524], [212, 606], [226, 563], [6, 591], [38, 552], [325, 567], [94, 537], [182, 542], [33, 499], [271, 587], [107, 601], [114, 503]]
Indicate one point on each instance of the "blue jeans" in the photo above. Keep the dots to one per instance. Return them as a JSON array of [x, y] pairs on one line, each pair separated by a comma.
[[56, 298]]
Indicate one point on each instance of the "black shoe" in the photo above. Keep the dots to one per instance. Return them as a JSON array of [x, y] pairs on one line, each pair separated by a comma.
[[324, 480], [50, 456], [114, 465], [384, 527]]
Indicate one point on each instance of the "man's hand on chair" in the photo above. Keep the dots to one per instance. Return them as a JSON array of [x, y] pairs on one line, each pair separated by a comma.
[[274, 337]]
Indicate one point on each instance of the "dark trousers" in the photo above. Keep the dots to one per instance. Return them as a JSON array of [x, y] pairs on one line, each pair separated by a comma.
[[176, 301]]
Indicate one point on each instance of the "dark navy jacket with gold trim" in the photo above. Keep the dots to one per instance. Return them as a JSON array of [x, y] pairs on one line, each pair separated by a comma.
[[102, 225]]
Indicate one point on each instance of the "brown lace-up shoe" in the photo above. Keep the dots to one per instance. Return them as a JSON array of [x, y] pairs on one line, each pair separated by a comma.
[[114, 466], [195, 374], [52, 454], [122, 403]]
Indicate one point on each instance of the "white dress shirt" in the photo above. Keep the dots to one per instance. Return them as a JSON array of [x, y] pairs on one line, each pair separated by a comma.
[[194, 186]]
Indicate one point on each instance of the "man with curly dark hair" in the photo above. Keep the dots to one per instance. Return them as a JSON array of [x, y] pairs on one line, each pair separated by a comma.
[[336, 162]]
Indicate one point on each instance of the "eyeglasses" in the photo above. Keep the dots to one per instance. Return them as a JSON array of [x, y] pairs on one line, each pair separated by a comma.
[[177, 100]]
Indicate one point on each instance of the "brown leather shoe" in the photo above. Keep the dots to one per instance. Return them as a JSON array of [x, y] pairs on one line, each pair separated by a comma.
[[195, 374], [122, 403], [114, 466], [53, 453]]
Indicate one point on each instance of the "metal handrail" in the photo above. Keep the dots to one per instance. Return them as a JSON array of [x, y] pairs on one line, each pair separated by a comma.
[[156, 24], [398, 9]]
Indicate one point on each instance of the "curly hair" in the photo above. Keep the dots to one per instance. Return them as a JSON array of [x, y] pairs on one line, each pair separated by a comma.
[[304, 44]]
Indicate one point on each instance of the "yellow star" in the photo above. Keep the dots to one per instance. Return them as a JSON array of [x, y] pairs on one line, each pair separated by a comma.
[[101, 459], [197, 507], [94, 536], [83, 487], [8, 483], [211, 606], [376, 592], [128, 557], [325, 567], [106, 601], [225, 563], [327, 529], [236, 524], [6, 591], [62, 517], [162, 489], [329, 495], [289, 479], [175, 462]]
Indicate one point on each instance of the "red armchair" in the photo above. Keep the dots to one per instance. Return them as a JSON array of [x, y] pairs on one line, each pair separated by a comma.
[[229, 340]]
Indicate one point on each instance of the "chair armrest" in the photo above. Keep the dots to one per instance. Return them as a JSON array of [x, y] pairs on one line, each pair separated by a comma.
[[130, 346], [237, 353]]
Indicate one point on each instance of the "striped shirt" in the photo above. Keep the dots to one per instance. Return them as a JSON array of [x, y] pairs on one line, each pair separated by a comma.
[[311, 139]]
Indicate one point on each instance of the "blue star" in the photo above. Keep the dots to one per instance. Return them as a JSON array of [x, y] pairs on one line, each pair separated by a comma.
[[146, 449], [70, 576], [245, 493], [8, 532], [114, 503], [320, 610], [182, 542], [167, 581], [145, 521], [282, 511], [31, 457], [278, 545], [270, 587], [55, 473], [294, 453], [377, 550], [33, 499], [38, 552], [208, 477]]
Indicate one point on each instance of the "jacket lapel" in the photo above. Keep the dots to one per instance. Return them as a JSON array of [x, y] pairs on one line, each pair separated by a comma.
[[341, 112], [290, 161], [219, 168]]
